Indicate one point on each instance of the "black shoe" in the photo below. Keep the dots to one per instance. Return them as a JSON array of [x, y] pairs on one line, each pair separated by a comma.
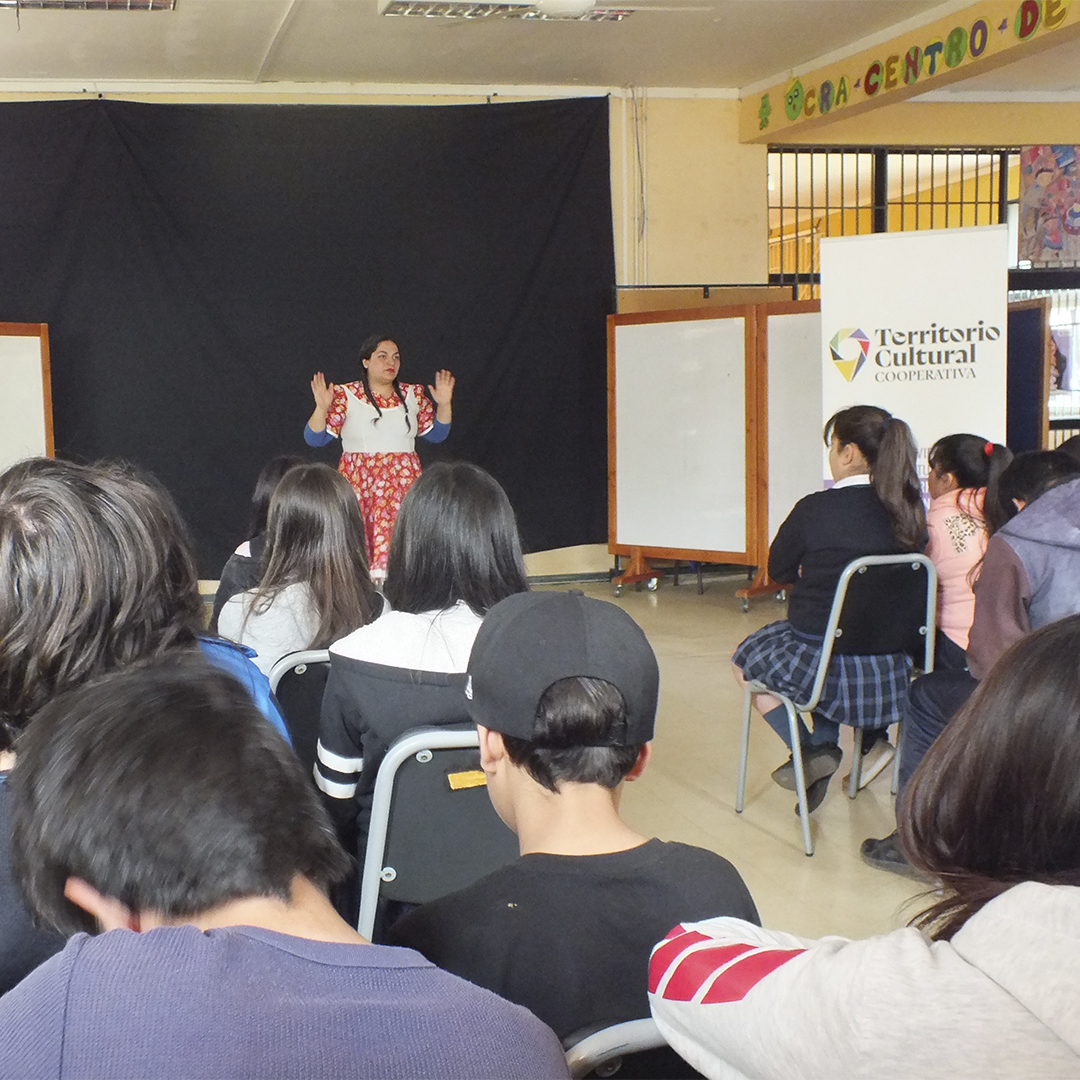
[[815, 793], [887, 854], [818, 762]]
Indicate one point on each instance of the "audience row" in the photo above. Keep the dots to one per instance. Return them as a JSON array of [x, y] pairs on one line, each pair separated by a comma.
[[146, 791]]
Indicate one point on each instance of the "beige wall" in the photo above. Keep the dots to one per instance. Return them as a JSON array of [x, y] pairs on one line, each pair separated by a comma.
[[704, 193]]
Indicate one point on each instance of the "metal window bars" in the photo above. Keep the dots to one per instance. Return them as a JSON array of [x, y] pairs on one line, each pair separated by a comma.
[[844, 191]]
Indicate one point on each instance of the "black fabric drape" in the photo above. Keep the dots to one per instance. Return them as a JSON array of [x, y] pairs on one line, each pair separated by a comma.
[[197, 263]]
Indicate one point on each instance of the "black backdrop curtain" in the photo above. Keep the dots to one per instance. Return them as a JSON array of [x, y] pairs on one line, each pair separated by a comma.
[[197, 263]]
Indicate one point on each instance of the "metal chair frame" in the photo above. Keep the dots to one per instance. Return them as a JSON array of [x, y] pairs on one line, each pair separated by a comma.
[[404, 747], [611, 1042], [794, 709], [295, 660]]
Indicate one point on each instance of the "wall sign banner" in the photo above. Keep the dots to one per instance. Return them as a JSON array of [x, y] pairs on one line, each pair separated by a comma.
[[915, 323], [1049, 205], [978, 38]]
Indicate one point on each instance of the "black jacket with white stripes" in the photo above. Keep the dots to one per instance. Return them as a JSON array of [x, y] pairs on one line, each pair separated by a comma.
[[365, 708]]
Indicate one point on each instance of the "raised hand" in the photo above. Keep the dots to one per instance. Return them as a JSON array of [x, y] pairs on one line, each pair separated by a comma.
[[443, 390], [323, 393]]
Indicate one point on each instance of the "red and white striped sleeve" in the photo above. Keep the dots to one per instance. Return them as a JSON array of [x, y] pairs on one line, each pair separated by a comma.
[[702, 979], [723, 964]]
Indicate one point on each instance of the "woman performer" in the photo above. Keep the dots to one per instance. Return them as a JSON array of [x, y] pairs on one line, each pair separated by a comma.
[[378, 419]]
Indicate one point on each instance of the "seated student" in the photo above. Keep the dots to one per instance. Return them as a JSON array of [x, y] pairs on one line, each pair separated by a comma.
[[962, 468], [156, 807], [454, 554], [315, 587], [563, 690], [1029, 577], [873, 508], [991, 988], [95, 573], [244, 566]]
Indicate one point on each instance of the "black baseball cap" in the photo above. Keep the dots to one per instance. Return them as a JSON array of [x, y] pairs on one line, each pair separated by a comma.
[[530, 640]]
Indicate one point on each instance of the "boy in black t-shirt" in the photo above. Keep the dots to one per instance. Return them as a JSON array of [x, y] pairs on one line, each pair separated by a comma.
[[563, 690]]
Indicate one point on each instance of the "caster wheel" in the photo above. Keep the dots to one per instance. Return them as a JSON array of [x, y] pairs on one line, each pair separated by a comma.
[[617, 590], [746, 607], [654, 584], [781, 596]]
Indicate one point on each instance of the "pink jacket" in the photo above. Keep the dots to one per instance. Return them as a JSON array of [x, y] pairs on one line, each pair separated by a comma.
[[957, 543]]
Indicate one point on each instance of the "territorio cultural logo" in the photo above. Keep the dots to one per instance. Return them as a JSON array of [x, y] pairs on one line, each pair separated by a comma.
[[935, 353], [849, 348]]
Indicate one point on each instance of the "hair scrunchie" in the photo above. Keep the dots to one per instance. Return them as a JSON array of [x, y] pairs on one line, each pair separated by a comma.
[[988, 449]]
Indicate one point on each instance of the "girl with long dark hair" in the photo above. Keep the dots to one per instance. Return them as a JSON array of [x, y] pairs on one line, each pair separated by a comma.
[[315, 586], [985, 984], [873, 508], [378, 419], [455, 554], [243, 567]]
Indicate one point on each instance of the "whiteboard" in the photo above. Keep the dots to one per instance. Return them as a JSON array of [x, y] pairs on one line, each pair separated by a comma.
[[680, 435], [795, 446], [25, 400]]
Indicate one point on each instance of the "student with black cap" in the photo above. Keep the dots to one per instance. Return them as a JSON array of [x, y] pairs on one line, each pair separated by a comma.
[[563, 690]]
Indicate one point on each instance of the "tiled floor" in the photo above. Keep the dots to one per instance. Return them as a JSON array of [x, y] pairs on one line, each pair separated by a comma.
[[688, 792]]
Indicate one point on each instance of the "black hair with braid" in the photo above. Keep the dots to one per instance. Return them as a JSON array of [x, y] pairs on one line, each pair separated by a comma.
[[369, 346]]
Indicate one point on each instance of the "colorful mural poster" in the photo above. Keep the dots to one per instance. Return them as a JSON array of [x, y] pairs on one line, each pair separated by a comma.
[[1049, 205]]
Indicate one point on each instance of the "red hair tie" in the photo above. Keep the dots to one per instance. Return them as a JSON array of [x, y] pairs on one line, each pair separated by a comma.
[[988, 449]]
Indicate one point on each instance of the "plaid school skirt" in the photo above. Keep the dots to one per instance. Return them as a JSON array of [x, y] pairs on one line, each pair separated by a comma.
[[861, 691]]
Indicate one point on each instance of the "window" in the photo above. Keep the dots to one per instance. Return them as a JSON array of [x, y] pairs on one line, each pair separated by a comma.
[[818, 191]]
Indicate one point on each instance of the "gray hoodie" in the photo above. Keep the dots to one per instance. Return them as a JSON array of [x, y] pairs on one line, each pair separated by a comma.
[[1030, 575], [1000, 1000]]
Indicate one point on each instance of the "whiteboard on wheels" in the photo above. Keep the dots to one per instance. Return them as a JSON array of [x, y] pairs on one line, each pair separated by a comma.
[[25, 396], [915, 323], [680, 433]]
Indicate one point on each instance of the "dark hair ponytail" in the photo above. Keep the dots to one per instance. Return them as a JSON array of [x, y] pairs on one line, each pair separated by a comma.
[[370, 345], [974, 463], [889, 449]]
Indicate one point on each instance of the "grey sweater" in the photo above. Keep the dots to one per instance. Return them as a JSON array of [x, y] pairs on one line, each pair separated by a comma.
[[1030, 575]]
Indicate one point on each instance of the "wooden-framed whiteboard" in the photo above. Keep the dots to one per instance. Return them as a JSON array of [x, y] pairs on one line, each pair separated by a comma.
[[713, 431], [682, 420], [26, 423]]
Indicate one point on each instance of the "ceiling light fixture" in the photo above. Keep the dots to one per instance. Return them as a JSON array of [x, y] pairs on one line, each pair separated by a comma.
[[90, 5], [544, 10]]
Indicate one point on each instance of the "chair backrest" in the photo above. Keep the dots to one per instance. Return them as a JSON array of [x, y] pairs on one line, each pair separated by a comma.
[[882, 604], [885, 604], [433, 829], [611, 1052], [298, 681]]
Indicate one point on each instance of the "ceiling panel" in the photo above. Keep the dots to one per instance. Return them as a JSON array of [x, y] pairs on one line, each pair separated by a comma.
[[200, 40], [688, 43]]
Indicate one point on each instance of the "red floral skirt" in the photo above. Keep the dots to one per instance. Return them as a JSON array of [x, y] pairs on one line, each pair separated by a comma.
[[380, 482]]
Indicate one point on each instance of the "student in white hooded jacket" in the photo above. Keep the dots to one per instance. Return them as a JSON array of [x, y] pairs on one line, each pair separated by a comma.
[[986, 983]]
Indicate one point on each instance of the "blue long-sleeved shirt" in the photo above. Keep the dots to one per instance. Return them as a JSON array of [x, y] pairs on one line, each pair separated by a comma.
[[437, 434]]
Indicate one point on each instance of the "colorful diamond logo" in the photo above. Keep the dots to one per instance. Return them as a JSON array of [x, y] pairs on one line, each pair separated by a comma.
[[849, 348]]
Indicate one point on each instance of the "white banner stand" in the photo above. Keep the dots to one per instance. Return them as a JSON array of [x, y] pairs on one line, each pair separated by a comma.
[[915, 323]]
